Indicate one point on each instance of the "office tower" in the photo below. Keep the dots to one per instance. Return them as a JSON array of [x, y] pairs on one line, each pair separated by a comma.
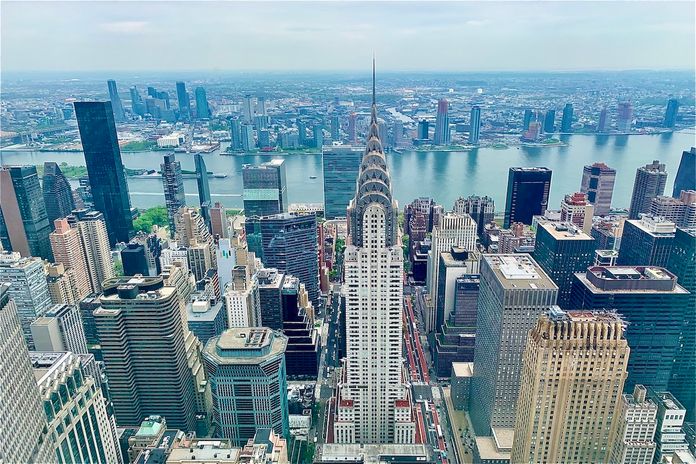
[[670, 436], [87, 307], [340, 167], [423, 131], [248, 143], [555, 422], [602, 122], [261, 106], [218, 221], [57, 193], [184, 101], [241, 296], [352, 128], [635, 425], [624, 118], [59, 329], [527, 194], [137, 105], [318, 133], [226, 254], [681, 211], [598, 183], [527, 119], [289, 244], [205, 313], [635, 292], [248, 109], [474, 125], [649, 183], [398, 133], [68, 251], [646, 242], [671, 113], [61, 283], [105, 168], [265, 188], [264, 138], [453, 230], [442, 130], [76, 410], [24, 212], [133, 260], [152, 245], [562, 250], [682, 263], [514, 292], [302, 352], [203, 187], [577, 210], [145, 347], [22, 417], [301, 132], [200, 258], [202, 108], [335, 128], [115, 99], [95, 242], [686, 173], [567, 121], [236, 133], [173, 188], [271, 283], [246, 368], [28, 287], [550, 121], [481, 209]]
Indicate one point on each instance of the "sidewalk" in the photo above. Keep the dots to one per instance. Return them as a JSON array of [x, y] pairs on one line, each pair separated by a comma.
[[458, 420]]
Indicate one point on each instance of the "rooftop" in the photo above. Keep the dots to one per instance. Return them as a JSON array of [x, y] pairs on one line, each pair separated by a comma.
[[206, 450], [248, 345], [615, 279], [654, 225], [564, 231], [333, 452], [518, 271], [462, 369]]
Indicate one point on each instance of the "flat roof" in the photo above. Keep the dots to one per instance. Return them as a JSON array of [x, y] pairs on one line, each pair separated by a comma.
[[564, 231], [518, 271], [248, 345], [487, 449], [463, 369]]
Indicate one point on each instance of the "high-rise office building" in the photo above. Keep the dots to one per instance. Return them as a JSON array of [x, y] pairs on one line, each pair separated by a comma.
[[248, 143], [681, 211], [203, 187], [57, 193], [265, 188], [107, 177], [398, 133], [602, 122], [137, 104], [514, 292], [562, 250], [576, 210], [567, 120], [24, 437], [554, 421], [527, 194], [28, 287], [481, 210], [218, 221], [236, 134], [246, 369], [649, 183], [624, 117], [302, 353], [241, 297], [669, 437], [184, 101], [340, 166], [475, 125], [271, 283], [95, 243], [646, 242], [76, 411], [352, 128], [202, 108], [68, 251], [173, 188], [423, 131], [115, 99], [598, 183], [442, 129], [686, 173], [671, 113], [60, 329], [318, 133], [527, 119], [550, 121], [248, 109], [372, 404], [335, 128], [145, 346], [134, 260], [634, 429], [635, 292], [24, 212]]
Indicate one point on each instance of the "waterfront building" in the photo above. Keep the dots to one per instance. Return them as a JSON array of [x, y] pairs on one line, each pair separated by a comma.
[[442, 129], [527, 119], [115, 99], [107, 177], [633, 440], [527, 194], [203, 187], [624, 118], [60, 329], [340, 167], [550, 121], [671, 113], [554, 421], [475, 125], [646, 241], [246, 369], [686, 173], [236, 134], [352, 128], [265, 188], [137, 104], [649, 183], [67, 248], [248, 110], [598, 183], [335, 128], [184, 101], [173, 188], [202, 108], [567, 120], [57, 193], [95, 243], [603, 120], [423, 131]]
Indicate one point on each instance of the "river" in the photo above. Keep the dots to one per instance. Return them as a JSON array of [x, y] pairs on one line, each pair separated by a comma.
[[441, 175]]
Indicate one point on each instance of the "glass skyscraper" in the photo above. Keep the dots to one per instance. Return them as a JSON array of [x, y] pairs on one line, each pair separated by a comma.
[[686, 173], [202, 107], [475, 125], [116, 103], [340, 166], [527, 194], [184, 101], [173, 188], [56, 192], [203, 187], [265, 188]]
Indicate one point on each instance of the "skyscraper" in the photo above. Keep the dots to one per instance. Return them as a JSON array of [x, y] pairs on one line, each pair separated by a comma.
[[635, 424], [649, 183], [248, 110], [576, 210], [265, 188], [624, 118], [60, 329], [184, 101], [203, 187], [602, 123], [68, 251], [372, 402], [352, 128], [442, 129], [555, 422], [598, 183], [105, 168], [481, 210], [236, 134], [474, 125], [134, 260], [24, 212], [686, 173], [340, 166], [681, 211], [423, 131], [246, 367], [567, 121], [241, 296], [318, 132], [95, 242], [514, 292], [202, 108], [527, 194], [173, 188], [56, 192], [527, 118], [335, 128], [24, 438], [248, 143], [671, 113], [646, 242], [115, 99], [302, 353], [550, 121], [137, 104]]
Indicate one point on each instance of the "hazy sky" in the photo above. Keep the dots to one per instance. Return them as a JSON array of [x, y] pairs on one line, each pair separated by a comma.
[[460, 36]]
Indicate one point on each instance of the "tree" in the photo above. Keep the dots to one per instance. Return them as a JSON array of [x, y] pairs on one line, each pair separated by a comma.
[[150, 217]]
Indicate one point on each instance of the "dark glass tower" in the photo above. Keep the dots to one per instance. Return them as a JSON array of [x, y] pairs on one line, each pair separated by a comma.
[[107, 178], [341, 166], [475, 125], [302, 353], [527, 194], [671, 113], [567, 121], [203, 187], [686, 174], [116, 103], [56, 192], [173, 188], [550, 121], [265, 188], [202, 108], [646, 242], [184, 101]]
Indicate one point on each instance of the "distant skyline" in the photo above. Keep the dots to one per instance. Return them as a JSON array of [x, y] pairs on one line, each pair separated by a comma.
[[332, 36]]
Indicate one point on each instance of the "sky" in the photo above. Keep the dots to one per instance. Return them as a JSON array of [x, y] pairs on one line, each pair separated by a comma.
[[335, 36]]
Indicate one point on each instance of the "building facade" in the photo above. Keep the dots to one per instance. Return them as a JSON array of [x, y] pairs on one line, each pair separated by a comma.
[[646, 242], [173, 188], [340, 165], [527, 194], [633, 441], [598, 183], [56, 192], [649, 183], [265, 188]]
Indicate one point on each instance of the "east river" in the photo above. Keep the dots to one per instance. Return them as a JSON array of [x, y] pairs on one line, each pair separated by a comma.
[[441, 175]]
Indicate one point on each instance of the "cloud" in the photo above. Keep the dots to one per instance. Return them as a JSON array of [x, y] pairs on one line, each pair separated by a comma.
[[125, 27], [477, 22]]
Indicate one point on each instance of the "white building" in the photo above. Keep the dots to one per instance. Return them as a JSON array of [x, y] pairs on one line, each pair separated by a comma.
[[635, 429], [60, 329], [172, 140], [241, 298]]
